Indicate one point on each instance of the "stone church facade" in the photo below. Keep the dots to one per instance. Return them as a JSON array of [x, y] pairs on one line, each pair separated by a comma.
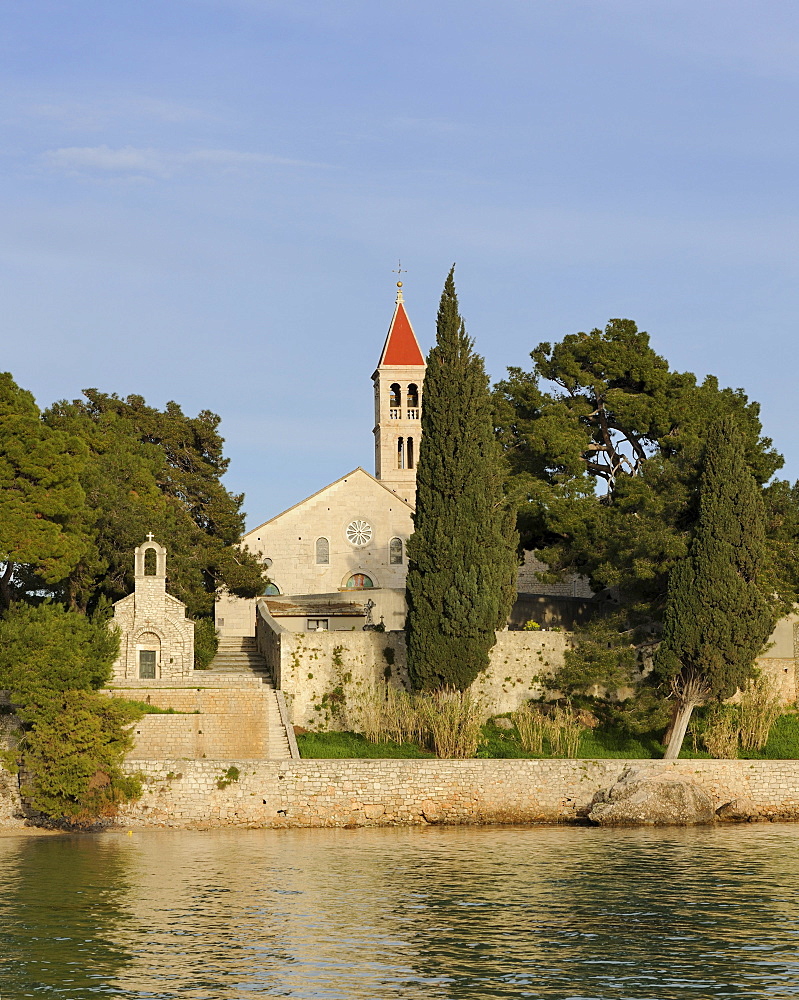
[[156, 637]]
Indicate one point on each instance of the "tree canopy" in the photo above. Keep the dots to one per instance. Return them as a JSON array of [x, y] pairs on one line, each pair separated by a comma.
[[160, 471], [42, 503], [604, 442], [462, 555]]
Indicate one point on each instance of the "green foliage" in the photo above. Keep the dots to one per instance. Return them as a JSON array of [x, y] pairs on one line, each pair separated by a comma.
[[461, 556], [604, 655], [232, 774], [46, 649], [42, 504], [206, 643], [74, 740], [159, 471], [719, 614], [621, 420], [72, 752], [783, 741]]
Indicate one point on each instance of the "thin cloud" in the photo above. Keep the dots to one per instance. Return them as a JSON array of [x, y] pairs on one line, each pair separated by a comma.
[[149, 162], [98, 114]]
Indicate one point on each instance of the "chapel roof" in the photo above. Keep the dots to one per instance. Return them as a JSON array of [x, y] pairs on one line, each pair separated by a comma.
[[401, 347]]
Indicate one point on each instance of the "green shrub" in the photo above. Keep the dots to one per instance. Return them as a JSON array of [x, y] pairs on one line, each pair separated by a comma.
[[783, 741], [74, 740], [71, 755], [206, 643]]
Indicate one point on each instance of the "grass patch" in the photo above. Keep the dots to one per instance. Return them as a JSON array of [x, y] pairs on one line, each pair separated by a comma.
[[146, 709], [602, 743], [347, 745]]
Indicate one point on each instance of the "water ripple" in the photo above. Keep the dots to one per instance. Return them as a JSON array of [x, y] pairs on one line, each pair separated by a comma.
[[561, 914]]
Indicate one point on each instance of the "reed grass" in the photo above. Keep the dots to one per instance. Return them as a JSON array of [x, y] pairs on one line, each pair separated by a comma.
[[531, 725], [722, 731], [760, 709], [453, 721], [563, 729]]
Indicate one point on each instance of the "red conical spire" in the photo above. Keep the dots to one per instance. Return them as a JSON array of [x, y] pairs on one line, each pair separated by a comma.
[[401, 347]]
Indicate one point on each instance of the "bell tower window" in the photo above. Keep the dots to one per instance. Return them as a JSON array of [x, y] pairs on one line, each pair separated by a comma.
[[400, 453], [409, 454], [413, 401], [395, 402]]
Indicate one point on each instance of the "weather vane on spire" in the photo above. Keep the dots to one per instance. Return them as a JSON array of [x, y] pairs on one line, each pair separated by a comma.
[[399, 270]]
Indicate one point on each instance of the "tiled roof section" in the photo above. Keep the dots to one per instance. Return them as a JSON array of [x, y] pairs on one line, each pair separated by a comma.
[[314, 606], [401, 347]]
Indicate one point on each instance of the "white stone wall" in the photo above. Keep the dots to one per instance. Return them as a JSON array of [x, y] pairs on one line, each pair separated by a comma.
[[322, 674]]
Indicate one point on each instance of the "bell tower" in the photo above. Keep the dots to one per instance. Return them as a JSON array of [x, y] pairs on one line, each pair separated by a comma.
[[398, 381]]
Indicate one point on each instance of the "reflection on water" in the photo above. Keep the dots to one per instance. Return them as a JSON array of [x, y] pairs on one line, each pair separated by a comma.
[[434, 913]]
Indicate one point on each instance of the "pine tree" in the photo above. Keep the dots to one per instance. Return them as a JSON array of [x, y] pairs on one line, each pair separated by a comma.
[[462, 554], [718, 614], [42, 504]]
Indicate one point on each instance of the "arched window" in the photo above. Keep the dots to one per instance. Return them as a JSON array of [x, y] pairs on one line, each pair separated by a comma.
[[271, 590], [359, 581], [395, 398], [150, 562], [322, 552], [410, 456], [395, 551], [400, 453], [413, 397]]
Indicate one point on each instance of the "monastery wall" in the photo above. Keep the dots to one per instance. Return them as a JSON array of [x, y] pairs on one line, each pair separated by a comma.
[[355, 793], [322, 674]]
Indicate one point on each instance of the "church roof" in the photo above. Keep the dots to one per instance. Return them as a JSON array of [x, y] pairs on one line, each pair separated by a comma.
[[355, 472], [401, 347]]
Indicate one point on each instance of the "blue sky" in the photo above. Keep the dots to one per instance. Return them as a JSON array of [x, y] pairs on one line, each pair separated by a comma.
[[203, 200]]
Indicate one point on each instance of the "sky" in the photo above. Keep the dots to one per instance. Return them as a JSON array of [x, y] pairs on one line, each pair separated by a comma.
[[204, 200]]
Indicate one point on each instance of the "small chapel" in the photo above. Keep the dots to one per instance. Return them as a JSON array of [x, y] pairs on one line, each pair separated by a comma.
[[156, 639], [336, 560]]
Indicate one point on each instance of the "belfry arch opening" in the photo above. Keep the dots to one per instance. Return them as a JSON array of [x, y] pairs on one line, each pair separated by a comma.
[[150, 562]]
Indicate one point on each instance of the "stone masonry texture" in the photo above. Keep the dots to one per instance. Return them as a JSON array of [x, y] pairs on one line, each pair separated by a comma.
[[355, 793]]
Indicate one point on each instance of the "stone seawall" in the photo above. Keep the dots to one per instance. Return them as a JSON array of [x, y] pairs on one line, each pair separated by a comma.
[[354, 793]]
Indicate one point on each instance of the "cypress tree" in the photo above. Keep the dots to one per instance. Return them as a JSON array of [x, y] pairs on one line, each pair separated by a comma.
[[718, 613], [462, 555]]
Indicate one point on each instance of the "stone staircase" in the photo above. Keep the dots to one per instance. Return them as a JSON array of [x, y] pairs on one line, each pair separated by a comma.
[[229, 711], [239, 655]]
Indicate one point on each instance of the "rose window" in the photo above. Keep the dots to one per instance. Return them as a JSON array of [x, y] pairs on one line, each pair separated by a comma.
[[359, 532]]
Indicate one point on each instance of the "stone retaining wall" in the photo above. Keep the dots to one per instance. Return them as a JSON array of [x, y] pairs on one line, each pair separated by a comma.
[[323, 674], [353, 793]]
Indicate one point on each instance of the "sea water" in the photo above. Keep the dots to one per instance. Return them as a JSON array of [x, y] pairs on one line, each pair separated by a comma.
[[548, 912]]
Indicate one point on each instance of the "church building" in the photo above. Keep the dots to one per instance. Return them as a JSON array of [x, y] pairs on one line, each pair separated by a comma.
[[337, 559]]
